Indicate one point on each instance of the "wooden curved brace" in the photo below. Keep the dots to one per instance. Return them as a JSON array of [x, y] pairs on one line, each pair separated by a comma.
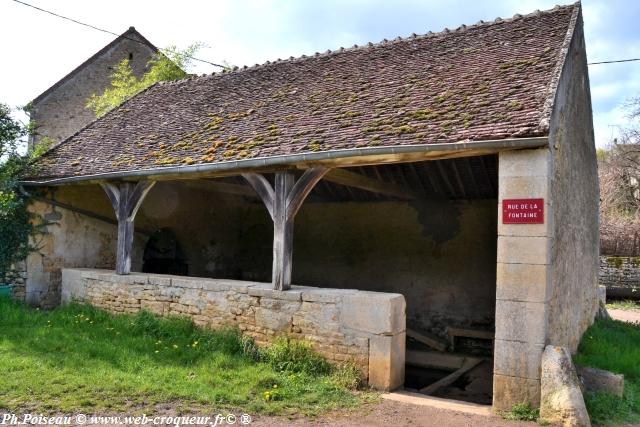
[[283, 203], [126, 199]]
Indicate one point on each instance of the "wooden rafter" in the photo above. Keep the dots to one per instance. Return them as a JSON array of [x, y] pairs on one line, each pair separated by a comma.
[[445, 178], [458, 177], [356, 180], [218, 186]]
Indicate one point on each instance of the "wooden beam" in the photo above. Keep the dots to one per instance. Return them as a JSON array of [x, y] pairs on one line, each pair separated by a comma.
[[436, 359], [445, 178], [282, 232], [427, 339], [263, 188], [467, 333], [468, 365], [352, 179], [456, 173], [302, 188], [283, 203], [486, 173], [126, 198], [218, 186], [472, 176]]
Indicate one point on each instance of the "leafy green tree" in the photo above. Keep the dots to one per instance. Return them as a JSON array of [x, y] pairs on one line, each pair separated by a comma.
[[170, 64], [16, 222]]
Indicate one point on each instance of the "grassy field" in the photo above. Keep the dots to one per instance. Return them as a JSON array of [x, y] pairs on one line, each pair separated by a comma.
[[78, 358], [614, 346]]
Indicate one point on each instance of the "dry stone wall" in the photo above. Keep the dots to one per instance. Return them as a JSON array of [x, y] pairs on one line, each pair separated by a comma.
[[621, 276], [367, 328]]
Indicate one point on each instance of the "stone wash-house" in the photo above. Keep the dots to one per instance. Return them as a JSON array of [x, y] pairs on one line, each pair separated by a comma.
[[61, 110], [396, 161]]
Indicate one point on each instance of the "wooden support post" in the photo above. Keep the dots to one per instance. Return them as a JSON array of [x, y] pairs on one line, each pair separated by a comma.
[[283, 203], [126, 198]]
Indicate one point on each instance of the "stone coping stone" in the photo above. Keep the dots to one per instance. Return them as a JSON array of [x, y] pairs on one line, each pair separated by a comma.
[[296, 293]]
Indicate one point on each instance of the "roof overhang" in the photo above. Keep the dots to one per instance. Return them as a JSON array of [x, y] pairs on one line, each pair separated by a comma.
[[334, 158]]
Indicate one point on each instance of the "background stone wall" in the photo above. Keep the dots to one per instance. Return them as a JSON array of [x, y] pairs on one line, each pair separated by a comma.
[[367, 328], [63, 111], [621, 276]]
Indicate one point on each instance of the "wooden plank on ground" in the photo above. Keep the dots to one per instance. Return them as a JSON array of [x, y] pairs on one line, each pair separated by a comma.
[[468, 365], [434, 360], [468, 333], [427, 339]]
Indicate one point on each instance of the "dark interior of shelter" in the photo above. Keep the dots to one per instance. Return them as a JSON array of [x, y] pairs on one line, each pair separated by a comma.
[[427, 230]]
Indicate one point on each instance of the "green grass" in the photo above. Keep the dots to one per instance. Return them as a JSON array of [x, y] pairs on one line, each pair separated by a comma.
[[78, 358], [624, 305], [614, 346]]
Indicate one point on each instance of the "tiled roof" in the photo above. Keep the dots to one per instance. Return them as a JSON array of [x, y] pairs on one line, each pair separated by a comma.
[[487, 81]]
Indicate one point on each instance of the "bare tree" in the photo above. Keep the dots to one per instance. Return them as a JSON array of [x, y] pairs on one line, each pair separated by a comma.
[[619, 173]]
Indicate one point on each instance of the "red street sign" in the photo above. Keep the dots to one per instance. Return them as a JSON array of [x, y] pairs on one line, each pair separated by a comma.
[[523, 211]]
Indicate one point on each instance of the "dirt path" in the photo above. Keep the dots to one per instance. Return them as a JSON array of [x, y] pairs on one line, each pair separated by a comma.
[[395, 414], [627, 315]]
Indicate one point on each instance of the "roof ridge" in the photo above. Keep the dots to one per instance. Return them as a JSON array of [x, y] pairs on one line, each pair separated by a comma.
[[370, 45], [386, 42]]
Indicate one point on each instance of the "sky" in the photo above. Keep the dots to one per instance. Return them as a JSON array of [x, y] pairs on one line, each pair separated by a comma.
[[39, 49]]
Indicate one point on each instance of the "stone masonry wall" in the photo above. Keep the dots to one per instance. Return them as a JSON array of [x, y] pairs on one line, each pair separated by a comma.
[[63, 111], [18, 284], [367, 328], [620, 275], [522, 284], [575, 196]]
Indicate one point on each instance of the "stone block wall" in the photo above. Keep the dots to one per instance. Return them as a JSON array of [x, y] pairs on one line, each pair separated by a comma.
[[523, 286], [621, 276], [18, 284], [62, 111], [367, 328]]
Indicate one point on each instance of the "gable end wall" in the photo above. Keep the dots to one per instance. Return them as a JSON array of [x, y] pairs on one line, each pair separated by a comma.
[[63, 111], [574, 194]]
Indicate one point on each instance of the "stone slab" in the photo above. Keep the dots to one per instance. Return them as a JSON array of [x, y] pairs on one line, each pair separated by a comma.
[[517, 359], [387, 361], [266, 290], [598, 380], [374, 312], [326, 295], [536, 162], [524, 250], [509, 391], [524, 187], [560, 395], [523, 282], [73, 286], [521, 321]]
